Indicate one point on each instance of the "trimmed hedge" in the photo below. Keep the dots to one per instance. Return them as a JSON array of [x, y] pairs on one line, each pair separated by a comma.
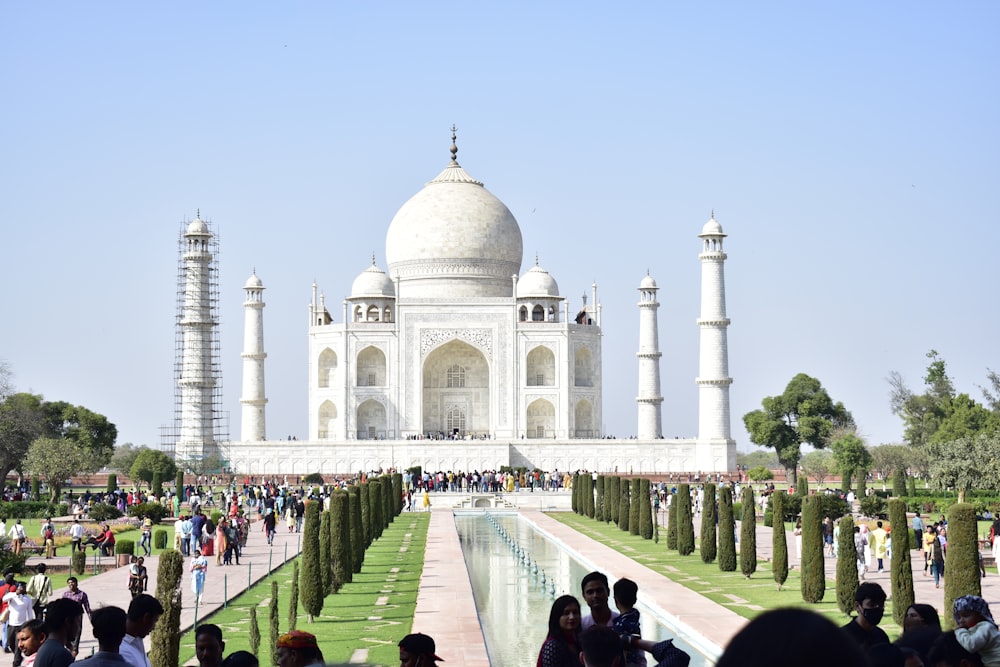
[[160, 538], [900, 571], [727, 531], [748, 534], [672, 523], [79, 561], [634, 506], [813, 575], [624, 509], [847, 567], [779, 541], [612, 496], [599, 506], [125, 547], [156, 511], [101, 512], [32, 509], [962, 560], [708, 547], [685, 522]]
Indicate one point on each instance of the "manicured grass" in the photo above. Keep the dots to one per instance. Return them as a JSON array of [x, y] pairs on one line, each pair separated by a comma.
[[351, 619], [755, 595]]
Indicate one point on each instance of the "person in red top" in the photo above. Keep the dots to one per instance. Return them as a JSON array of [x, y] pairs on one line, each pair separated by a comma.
[[106, 541], [8, 586]]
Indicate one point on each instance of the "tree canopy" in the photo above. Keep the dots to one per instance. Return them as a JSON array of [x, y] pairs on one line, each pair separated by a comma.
[[819, 464], [850, 454], [804, 413], [151, 461], [966, 463], [54, 460]]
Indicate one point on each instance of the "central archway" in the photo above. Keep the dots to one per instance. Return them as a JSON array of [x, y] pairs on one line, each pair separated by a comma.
[[456, 391]]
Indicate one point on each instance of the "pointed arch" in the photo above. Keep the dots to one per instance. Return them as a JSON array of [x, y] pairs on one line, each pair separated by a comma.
[[371, 420], [456, 379], [583, 368], [540, 419], [583, 419], [540, 366], [371, 367], [326, 367], [327, 420]]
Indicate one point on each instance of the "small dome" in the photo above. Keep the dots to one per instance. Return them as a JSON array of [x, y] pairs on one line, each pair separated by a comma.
[[373, 281], [198, 226], [537, 282], [712, 228], [648, 283], [253, 282]]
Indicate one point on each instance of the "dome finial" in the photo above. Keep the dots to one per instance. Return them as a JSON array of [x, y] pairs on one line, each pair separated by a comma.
[[373, 259], [713, 214], [536, 258], [454, 146], [197, 214]]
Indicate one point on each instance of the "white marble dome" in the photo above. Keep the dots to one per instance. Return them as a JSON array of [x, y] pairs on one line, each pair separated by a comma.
[[712, 228], [373, 281], [454, 238], [537, 282], [198, 226], [648, 283], [253, 282]]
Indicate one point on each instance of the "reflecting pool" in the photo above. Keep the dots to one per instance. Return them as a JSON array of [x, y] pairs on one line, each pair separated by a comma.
[[516, 573]]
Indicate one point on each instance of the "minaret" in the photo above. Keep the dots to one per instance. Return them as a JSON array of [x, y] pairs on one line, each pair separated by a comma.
[[649, 399], [196, 374], [713, 367], [253, 401]]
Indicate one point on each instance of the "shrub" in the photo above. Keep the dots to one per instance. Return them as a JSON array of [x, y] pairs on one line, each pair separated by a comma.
[[599, 504], [375, 506], [845, 482], [574, 496], [125, 547], [313, 478], [962, 559], [357, 529], [874, 506], [862, 482], [847, 567], [588, 496], [312, 595], [340, 531], [272, 619], [708, 546], [166, 635], [160, 538], [911, 485], [802, 486], [397, 489], [366, 518], [112, 483], [102, 512], [624, 510], [748, 534], [157, 485], [645, 511], [900, 572], [672, 523], [833, 506], [325, 563], [254, 631], [29, 509], [612, 493], [155, 511], [79, 561], [737, 509], [813, 576], [685, 522], [634, 507], [293, 597], [727, 531], [760, 473], [779, 541]]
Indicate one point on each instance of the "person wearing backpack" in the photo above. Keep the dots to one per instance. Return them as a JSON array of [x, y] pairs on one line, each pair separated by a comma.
[[40, 588]]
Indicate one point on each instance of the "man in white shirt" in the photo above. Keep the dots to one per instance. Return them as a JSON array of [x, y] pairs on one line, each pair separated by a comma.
[[143, 613], [17, 536], [75, 535]]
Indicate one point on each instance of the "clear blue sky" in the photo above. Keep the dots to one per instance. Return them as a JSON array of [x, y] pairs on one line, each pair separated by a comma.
[[849, 150]]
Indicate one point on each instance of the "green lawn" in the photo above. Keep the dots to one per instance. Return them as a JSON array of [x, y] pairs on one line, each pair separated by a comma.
[[351, 619], [756, 594]]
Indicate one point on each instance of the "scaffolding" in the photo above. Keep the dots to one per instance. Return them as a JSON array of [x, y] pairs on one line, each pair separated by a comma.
[[199, 424]]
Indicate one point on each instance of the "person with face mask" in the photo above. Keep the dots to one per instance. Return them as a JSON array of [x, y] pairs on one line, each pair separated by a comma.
[[869, 603]]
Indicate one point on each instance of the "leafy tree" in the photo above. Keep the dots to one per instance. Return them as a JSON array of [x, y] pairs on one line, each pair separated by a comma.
[[708, 546], [804, 413], [887, 458], [254, 631], [340, 530], [312, 596], [672, 524], [599, 505], [921, 413], [761, 457], [124, 457], [685, 521], [760, 474], [90, 430], [6, 380], [748, 534], [645, 511], [272, 617], [293, 598], [963, 558], [624, 509], [779, 540], [847, 566], [325, 547], [150, 461], [166, 637], [965, 417], [56, 460], [813, 575], [204, 465], [818, 464], [21, 423], [900, 571], [635, 507], [965, 464], [727, 531]]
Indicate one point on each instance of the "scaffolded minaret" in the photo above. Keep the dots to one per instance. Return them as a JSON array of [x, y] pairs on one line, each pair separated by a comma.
[[253, 401], [649, 399], [713, 381]]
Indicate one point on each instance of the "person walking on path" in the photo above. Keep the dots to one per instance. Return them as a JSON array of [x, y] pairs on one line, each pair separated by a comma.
[[75, 536], [270, 521], [146, 542], [48, 535], [74, 593], [20, 610], [879, 537], [199, 566], [17, 536], [40, 588], [918, 531]]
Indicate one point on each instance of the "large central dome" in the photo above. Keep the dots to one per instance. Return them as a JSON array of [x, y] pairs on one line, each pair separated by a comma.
[[454, 238]]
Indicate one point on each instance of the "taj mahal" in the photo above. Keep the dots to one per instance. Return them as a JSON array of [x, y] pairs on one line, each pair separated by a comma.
[[452, 358]]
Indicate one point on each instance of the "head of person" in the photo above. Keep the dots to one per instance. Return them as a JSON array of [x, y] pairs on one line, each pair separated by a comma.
[[139, 561], [595, 590], [143, 613], [298, 649], [109, 627], [31, 636], [21, 589], [970, 610], [626, 592], [197, 552], [947, 652], [601, 647], [63, 618], [564, 617], [791, 637], [869, 604], [9, 578], [72, 584], [418, 650], [921, 616], [42, 567], [241, 659], [209, 645], [878, 524]]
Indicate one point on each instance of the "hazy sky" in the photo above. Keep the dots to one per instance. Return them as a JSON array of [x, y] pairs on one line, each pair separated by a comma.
[[848, 149]]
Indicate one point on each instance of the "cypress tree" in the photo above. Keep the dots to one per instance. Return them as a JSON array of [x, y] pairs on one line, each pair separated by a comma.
[[901, 573], [963, 558], [779, 540], [612, 496], [589, 499], [157, 485], [179, 484], [254, 631], [727, 530], [645, 511], [623, 502], [293, 597], [366, 517], [397, 490], [672, 523], [862, 482], [325, 566], [340, 530], [845, 481], [813, 575], [599, 503], [112, 483], [802, 488], [748, 533], [357, 527], [685, 521], [634, 507], [35, 489], [911, 488], [166, 637], [708, 546], [311, 573], [375, 502], [574, 495], [899, 490], [272, 618], [847, 567]]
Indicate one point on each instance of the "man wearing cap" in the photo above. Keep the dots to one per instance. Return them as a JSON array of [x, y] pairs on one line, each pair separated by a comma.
[[298, 649], [418, 650]]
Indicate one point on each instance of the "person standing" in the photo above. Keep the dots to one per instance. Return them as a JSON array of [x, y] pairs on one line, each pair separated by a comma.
[[20, 610], [146, 541], [918, 531], [199, 567], [561, 647], [298, 649], [74, 593], [109, 631], [596, 593], [143, 613], [40, 588], [869, 603], [75, 536], [62, 621], [879, 537], [209, 645], [48, 535], [17, 537], [270, 527], [30, 639], [8, 586]]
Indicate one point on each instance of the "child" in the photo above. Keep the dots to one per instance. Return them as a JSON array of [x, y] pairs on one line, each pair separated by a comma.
[[976, 631], [627, 623]]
